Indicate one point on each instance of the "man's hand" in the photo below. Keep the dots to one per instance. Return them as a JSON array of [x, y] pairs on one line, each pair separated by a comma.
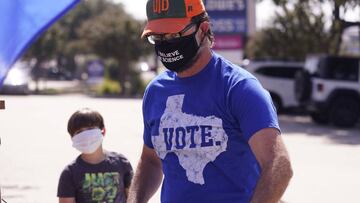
[[276, 171]]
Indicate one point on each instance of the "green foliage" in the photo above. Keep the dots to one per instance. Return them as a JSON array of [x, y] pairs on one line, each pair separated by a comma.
[[292, 35], [112, 69], [134, 83], [94, 27], [345, 3], [137, 85], [116, 35], [297, 31], [109, 87]]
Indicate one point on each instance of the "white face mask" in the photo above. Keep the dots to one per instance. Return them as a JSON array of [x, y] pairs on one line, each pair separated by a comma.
[[88, 141]]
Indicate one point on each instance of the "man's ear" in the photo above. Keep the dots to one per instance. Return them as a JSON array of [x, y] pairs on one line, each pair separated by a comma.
[[204, 26]]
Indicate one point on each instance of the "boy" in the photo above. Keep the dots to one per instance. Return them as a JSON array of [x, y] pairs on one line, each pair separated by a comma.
[[96, 176]]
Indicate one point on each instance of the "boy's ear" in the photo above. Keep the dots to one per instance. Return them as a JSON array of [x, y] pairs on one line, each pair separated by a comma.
[[103, 131]]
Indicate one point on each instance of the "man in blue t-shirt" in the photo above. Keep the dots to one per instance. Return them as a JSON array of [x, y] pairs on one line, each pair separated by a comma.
[[209, 126]]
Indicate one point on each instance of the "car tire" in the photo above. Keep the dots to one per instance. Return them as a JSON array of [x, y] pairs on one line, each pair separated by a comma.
[[319, 118], [345, 112], [303, 86]]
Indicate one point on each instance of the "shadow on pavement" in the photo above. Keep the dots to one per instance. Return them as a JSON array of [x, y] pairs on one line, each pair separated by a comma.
[[302, 124]]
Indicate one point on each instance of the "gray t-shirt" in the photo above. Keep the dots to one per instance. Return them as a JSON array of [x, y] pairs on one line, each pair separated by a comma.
[[96, 183]]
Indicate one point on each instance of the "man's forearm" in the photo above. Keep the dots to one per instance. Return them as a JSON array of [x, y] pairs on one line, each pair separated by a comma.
[[147, 179], [273, 181]]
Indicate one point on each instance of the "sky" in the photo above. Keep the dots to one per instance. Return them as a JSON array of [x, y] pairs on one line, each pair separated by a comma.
[[138, 9], [264, 11]]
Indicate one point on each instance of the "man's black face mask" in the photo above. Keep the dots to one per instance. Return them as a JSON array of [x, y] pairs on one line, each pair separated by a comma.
[[177, 54]]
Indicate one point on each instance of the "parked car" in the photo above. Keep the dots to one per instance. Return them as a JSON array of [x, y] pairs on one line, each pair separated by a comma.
[[278, 78], [54, 73], [329, 87], [17, 80]]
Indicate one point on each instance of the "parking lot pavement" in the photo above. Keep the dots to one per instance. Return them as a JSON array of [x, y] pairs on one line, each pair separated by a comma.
[[326, 161], [35, 148]]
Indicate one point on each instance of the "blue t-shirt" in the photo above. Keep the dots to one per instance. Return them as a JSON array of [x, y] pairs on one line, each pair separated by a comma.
[[200, 127]]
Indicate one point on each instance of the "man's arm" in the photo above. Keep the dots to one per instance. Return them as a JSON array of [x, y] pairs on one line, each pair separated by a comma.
[[276, 171], [67, 200], [148, 177], [126, 192]]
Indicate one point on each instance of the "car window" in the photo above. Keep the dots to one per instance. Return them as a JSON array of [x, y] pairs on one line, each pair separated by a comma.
[[340, 68], [279, 72]]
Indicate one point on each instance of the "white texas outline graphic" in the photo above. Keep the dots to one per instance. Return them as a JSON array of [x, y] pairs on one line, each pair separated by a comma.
[[196, 140]]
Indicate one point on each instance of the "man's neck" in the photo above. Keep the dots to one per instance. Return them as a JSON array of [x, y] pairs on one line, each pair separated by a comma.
[[204, 57], [95, 158]]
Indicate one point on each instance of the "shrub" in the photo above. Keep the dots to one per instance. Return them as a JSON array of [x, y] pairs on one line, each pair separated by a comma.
[[109, 87]]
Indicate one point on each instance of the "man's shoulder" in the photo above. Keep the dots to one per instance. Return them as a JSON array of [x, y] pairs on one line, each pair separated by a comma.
[[159, 82], [162, 77], [231, 72]]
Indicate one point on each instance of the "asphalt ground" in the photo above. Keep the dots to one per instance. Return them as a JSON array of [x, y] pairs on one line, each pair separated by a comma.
[[35, 147]]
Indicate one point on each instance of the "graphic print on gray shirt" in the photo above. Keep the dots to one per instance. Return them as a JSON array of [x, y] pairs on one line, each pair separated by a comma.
[[96, 183]]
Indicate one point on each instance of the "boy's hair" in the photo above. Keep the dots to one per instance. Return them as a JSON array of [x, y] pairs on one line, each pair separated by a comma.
[[84, 118]]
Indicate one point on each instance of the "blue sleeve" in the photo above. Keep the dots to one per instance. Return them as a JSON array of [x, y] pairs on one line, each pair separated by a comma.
[[147, 128], [252, 107], [66, 187], [147, 135]]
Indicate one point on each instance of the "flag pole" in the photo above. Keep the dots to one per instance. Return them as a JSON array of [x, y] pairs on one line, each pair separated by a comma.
[[2, 104]]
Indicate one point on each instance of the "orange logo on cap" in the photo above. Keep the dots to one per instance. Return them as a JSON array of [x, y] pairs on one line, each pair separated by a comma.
[[190, 8], [160, 6]]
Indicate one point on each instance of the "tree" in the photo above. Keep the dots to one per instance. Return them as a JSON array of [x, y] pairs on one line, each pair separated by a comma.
[[62, 40], [42, 50], [294, 33], [297, 30], [99, 27], [339, 24], [115, 34]]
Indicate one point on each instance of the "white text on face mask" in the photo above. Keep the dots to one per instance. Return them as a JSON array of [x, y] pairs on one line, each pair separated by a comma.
[[170, 57]]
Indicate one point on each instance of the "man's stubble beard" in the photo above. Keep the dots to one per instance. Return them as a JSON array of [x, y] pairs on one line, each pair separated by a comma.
[[195, 58]]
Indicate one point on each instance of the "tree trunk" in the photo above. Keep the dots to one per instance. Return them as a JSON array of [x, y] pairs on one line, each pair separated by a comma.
[[37, 74], [123, 74], [339, 26], [337, 29]]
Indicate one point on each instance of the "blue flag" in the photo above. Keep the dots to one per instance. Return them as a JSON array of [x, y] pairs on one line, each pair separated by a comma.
[[21, 21]]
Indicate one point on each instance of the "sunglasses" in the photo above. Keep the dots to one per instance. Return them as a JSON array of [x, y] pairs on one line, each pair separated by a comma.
[[156, 38]]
